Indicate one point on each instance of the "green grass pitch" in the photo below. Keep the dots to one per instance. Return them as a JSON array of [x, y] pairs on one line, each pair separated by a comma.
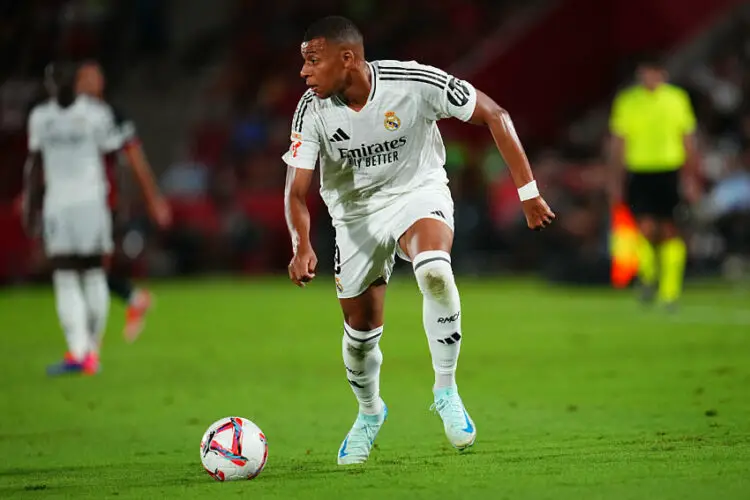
[[576, 393]]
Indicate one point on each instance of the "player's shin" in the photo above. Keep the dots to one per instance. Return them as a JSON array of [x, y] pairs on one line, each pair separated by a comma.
[[647, 265], [96, 293], [441, 313], [362, 359], [71, 310], [673, 253]]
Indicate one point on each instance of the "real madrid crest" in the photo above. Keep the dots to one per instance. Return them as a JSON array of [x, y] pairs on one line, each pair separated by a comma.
[[392, 122]]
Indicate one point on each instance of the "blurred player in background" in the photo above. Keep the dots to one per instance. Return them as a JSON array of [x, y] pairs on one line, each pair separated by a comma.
[[653, 125], [91, 82], [65, 196], [372, 126]]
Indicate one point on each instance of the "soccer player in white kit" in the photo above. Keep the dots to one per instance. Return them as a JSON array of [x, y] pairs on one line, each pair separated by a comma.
[[372, 126], [66, 182], [90, 81]]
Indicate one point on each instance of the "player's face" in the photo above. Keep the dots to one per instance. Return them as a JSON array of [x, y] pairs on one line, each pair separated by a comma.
[[651, 77], [90, 80], [325, 67]]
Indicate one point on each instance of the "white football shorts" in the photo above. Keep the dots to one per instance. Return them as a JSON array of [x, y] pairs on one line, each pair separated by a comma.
[[83, 230], [366, 249]]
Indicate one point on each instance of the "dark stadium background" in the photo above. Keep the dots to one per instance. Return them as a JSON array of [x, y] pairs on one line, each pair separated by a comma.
[[212, 86]]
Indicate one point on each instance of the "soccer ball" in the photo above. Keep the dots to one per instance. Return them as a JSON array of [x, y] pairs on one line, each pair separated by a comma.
[[233, 448]]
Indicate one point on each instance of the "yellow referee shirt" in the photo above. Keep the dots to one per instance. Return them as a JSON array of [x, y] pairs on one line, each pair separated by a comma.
[[653, 125]]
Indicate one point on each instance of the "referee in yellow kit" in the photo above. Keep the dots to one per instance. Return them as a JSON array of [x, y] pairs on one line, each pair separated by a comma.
[[652, 126]]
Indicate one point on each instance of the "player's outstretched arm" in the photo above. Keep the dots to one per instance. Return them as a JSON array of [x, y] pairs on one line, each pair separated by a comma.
[[33, 193], [302, 265], [158, 207], [487, 112]]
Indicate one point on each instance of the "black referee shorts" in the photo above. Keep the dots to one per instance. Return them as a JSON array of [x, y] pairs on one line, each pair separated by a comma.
[[653, 194]]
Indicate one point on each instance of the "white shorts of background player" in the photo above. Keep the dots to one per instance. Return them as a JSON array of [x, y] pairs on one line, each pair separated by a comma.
[[80, 230]]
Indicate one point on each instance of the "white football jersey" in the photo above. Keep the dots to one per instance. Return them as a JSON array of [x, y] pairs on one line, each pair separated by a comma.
[[72, 141], [390, 147]]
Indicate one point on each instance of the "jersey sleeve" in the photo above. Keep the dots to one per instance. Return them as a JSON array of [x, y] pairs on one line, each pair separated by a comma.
[[618, 117], [443, 95], [34, 131], [108, 136], [305, 141]]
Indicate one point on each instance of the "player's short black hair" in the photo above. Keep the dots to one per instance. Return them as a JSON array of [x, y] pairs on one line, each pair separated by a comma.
[[336, 29], [61, 74], [650, 60], [60, 80]]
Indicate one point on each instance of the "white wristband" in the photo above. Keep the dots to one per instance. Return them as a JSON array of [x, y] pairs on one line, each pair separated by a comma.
[[528, 191]]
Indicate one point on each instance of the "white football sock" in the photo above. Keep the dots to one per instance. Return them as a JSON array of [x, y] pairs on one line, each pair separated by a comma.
[[71, 310], [362, 359], [441, 313], [96, 292]]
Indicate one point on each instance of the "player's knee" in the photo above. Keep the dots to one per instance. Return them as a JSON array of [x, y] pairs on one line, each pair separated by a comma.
[[434, 274], [357, 343], [363, 321]]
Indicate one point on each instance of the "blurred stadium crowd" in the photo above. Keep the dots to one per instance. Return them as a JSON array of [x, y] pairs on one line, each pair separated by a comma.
[[226, 191]]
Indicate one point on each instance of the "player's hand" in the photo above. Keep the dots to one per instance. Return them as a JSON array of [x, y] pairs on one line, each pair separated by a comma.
[[538, 213], [303, 264], [161, 213]]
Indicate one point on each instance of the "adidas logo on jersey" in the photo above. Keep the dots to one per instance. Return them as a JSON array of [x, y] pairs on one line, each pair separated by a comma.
[[339, 136]]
